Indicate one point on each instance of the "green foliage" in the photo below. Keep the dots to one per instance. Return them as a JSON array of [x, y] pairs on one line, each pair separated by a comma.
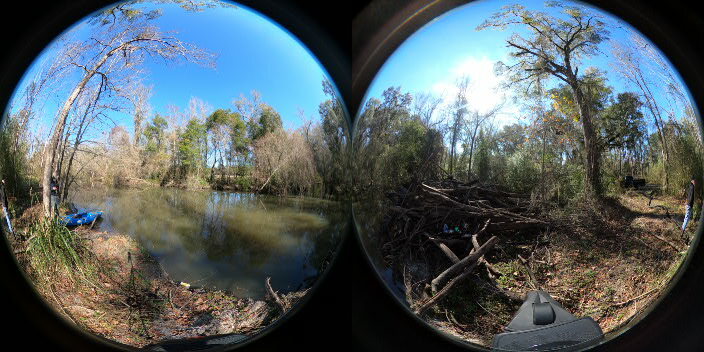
[[622, 123], [571, 183], [483, 165], [54, 250], [510, 138], [238, 134], [407, 152], [244, 183], [552, 46], [229, 136], [221, 117], [13, 157], [522, 175], [190, 145], [612, 181], [154, 134], [686, 158], [268, 121]]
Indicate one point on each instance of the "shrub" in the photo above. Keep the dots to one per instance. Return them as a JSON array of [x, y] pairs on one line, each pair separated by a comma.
[[521, 175]]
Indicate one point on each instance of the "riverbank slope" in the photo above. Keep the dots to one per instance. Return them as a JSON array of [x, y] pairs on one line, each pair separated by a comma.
[[127, 297]]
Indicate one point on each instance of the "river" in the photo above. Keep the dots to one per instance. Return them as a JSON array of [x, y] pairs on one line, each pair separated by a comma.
[[225, 240]]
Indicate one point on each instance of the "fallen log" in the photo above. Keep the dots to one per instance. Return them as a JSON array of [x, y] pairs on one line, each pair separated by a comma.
[[445, 290], [450, 254], [458, 267], [482, 260]]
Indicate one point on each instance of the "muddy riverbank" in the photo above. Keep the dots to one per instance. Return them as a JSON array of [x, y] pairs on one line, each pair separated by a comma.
[[131, 299]]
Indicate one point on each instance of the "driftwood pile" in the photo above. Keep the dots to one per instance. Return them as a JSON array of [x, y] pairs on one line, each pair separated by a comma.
[[437, 233]]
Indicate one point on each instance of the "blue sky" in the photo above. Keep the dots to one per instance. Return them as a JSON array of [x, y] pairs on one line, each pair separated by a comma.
[[434, 57], [253, 53]]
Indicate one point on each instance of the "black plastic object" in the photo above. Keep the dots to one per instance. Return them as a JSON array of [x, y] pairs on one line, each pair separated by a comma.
[[543, 314], [542, 324]]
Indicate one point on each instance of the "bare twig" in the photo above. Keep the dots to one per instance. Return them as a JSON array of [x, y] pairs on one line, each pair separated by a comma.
[[532, 281], [619, 304], [676, 248], [92, 223], [273, 294], [61, 306]]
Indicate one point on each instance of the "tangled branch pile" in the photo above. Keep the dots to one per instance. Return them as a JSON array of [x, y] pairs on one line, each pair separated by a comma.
[[434, 230]]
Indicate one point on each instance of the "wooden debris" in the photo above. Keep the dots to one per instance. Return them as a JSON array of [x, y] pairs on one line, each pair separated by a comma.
[[471, 259], [432, 223]]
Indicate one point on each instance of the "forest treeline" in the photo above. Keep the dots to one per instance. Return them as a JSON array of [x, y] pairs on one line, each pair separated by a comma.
[[244, 148], [576, 137], [100, 70], [397, 145]]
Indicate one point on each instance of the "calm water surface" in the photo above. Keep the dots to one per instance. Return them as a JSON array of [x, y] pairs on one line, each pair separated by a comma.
[[224, 240]]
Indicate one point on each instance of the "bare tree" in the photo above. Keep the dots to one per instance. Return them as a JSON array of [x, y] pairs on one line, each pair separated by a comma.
[[86, 111], [110, 51], [629, 66], [287, 156], [458, 111], [140, 99], [424, 106], [472, 126], [249, 108], [554, 48], [199, 110], [639, 63]]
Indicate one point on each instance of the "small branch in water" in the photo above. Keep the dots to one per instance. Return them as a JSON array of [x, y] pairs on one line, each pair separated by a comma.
[[274, 295]]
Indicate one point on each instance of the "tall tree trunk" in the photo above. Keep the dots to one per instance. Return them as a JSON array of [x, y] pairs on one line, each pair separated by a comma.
[[452, 155], [51, 148], [138, 117], [657, 117], [50, 151], [212, 171], [592, 162], [471, 146]]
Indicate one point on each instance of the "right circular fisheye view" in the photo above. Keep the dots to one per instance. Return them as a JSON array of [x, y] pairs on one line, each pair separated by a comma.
[[528, 175]]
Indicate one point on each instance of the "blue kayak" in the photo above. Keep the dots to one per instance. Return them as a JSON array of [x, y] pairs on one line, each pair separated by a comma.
[[80, 218]]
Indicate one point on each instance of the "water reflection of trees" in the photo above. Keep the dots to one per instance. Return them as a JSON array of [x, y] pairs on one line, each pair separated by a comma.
[[245, 231]]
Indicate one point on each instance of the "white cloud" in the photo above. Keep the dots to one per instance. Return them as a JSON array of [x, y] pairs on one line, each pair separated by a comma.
[[484, 91]]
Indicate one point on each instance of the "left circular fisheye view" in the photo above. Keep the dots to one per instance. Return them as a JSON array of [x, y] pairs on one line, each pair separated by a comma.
[[168, 174]]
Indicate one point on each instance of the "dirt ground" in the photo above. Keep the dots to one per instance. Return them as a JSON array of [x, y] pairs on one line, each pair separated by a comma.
[[610, 267], [132, 300]]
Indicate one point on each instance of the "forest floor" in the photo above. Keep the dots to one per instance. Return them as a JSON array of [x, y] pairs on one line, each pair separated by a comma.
[[610, 266], [133, 301]]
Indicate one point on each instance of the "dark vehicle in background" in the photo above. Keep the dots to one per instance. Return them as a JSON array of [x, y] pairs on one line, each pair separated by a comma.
[[630, 182]]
